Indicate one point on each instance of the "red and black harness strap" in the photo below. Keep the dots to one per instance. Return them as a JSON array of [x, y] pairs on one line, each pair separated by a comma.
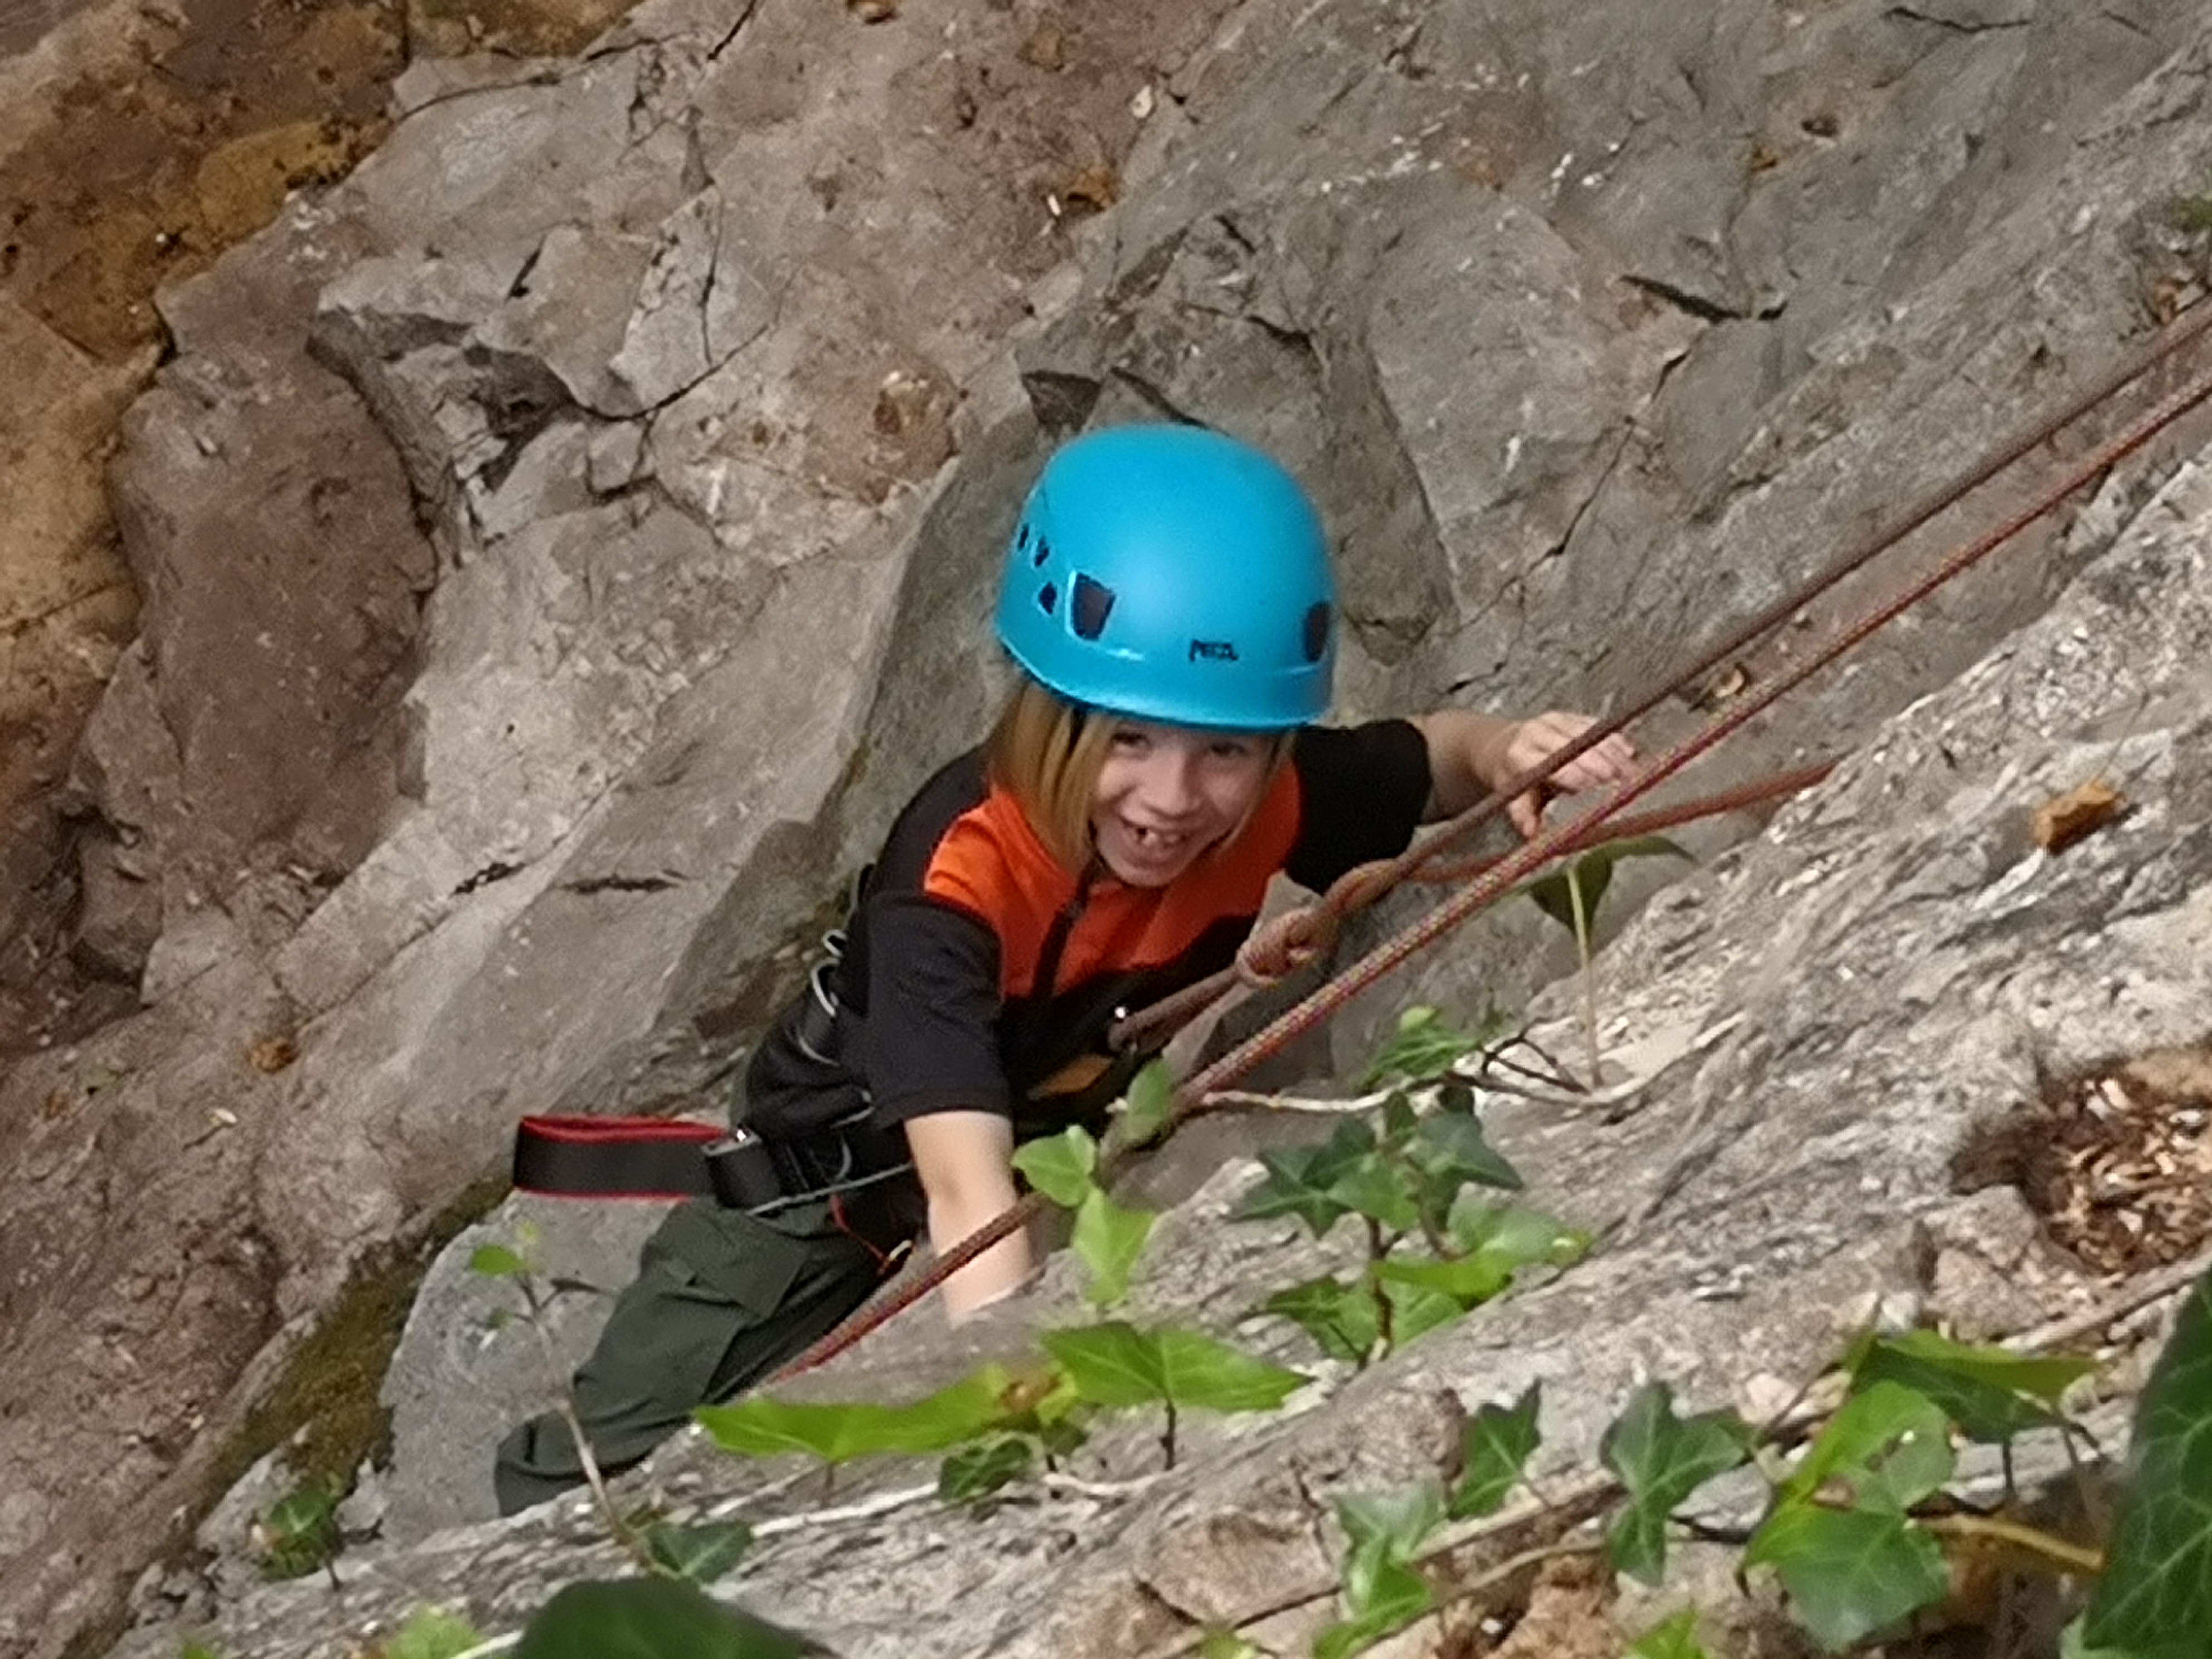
[[615, 1157]]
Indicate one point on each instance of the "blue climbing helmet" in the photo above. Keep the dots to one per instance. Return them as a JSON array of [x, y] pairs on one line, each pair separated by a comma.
[[1170, 574]]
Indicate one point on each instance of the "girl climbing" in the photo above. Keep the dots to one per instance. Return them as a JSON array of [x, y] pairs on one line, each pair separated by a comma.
[[1167, 600]]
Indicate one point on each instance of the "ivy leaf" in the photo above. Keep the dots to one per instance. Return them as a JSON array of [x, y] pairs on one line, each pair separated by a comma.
[[758, 1426], [1115, 1363], [1849, 1572], [1511, 1230], [1889, 1445], [1991, 1393], [1661, 1459], [1340, 1317], [1384, 1591], [2155, 1597], [1394, 1523], [1466, 1281], [1145, 1109], [977, 1471], [1451, 1146], [1415, 1310], [1219, 1644], [1063, 1167], [1497, 1447], [1301, 1179], [1374, 1188], [431, 1633], [1593, 872], [1108, 1239], [496, 1261], [1677, 1638], [650, 1619], [701, 1551], [1424, 1048]]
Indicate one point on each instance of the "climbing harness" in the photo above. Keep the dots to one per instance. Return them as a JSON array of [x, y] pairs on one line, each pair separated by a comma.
[[1601, 820]]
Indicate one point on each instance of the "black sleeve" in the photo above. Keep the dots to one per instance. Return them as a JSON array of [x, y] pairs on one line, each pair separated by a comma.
[[929, 1041], [1361, 792]]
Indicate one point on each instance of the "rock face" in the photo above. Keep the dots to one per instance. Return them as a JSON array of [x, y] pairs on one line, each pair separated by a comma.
[[1832, 1016], [714, 363]]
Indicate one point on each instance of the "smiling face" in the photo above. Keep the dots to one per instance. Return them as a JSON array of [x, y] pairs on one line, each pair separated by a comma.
[[1165, 794]]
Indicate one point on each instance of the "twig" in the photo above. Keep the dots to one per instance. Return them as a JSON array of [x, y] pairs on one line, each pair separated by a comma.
[[2138, 1293], [865, 1509], [2072, 1557], [1108, 1490], [1296, 1102], [623, 1533], [486, 1650]]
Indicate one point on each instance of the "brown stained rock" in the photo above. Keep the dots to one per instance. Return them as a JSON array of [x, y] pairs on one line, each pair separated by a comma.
[[66, 608], [280, 612]]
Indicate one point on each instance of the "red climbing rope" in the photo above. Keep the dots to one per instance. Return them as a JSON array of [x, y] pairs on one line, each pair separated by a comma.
[[1601, 820]]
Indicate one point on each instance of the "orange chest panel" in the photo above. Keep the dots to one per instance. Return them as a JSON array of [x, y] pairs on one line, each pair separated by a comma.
[[991, 863]]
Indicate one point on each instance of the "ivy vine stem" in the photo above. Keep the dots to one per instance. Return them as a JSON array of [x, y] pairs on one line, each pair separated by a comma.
[[2067, 1557]]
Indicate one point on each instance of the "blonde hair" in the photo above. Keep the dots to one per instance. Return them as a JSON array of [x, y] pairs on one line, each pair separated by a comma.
[[1046, 752]]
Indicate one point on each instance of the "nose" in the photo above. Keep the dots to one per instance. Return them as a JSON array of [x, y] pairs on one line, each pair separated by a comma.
[[1168, 786]]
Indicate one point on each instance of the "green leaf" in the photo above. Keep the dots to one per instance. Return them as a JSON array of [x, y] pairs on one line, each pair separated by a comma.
[[194, 1651], [1518, 1234], [1395, 1523], [1415, 1310], [1504, 1241], [1991, 1393], [1849, 1572], [1889, 1445], [1108, 1239], [299, 1533], [1498, 1444], [1301, 1179], [1219, 1644], [1378, 1190], [1593, 872], [1677, 1638], [977, 1471], [1115, 1363], [701, 1552], [1452, 1146], [1424, 1048], [432, 1633], [1145, 1108], [759, 1426], [496, 1261], [2155, 1595], [1661, 1459], [653, 1619], [1467, 1282], [1340, 1317], [1384, 1591], [1062, 1167]]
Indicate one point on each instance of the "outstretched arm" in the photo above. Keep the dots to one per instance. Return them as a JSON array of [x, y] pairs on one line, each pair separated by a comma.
[[1471, 754], [965, 1163]]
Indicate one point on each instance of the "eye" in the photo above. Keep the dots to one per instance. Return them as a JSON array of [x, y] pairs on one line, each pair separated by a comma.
[[1233, 748], [1128, 741]]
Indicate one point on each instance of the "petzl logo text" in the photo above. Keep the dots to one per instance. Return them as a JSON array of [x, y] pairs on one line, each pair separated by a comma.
[[1212, 651]]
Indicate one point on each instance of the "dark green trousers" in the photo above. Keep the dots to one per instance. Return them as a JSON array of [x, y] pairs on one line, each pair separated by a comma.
[[721, 1299]]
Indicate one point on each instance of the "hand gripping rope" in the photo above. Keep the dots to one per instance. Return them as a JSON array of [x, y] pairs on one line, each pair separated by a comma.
[[1603, 820]]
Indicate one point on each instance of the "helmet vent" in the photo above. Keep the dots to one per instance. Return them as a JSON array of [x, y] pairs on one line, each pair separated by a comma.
[[1093, 603], [1042, 556], [1316, 632], [1048, 597]]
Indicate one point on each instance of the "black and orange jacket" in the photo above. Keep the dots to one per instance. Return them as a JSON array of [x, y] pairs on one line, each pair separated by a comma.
[[977, 967]]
